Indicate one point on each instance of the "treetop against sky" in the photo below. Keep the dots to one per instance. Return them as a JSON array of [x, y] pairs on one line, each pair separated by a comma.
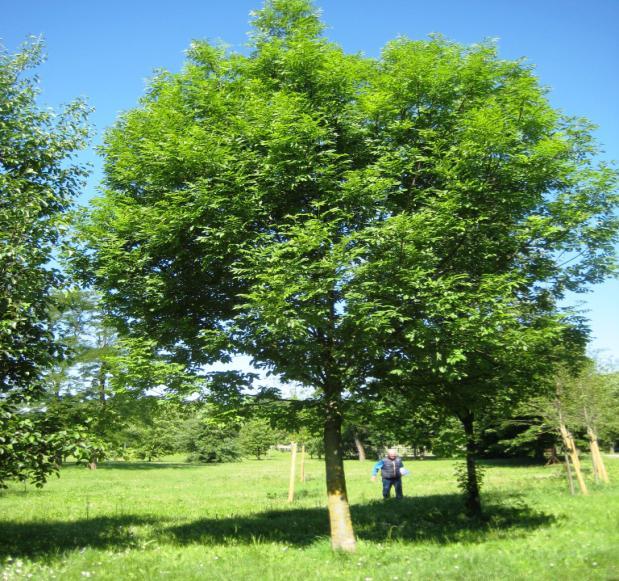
[[106, 52]]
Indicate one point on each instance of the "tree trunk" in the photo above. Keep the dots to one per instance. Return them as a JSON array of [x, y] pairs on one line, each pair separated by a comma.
[[473, 500], [101, 380], [360, 448], [342, 534]]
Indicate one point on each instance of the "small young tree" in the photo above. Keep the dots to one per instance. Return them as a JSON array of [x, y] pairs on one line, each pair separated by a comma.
[[256, 437]]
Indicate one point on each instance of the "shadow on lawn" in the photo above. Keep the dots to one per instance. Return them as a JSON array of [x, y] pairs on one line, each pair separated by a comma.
[[435, 518], [145, 465], [50, 538]]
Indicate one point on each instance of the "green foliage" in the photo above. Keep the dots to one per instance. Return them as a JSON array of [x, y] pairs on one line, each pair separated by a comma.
[[38, 182], [33, 445], [585, 396], [336, 207], [315, 446], [466, 481], [256, 437], [151, 427], [449, 441], [591, 399], [209, 441]]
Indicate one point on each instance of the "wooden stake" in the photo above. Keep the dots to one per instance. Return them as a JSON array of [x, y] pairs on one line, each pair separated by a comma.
[[570, 446], [594, 466], [293, 466], [605, 477], [576, 462], [596, 456], [302, 473], [570, 479]]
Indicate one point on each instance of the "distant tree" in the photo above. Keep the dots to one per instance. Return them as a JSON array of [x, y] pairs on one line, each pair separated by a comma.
[[106, 382], [593, 402], [256, 437], [38, 182], [206, 438]]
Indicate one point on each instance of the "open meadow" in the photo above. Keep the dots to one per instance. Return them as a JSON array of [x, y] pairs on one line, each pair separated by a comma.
[[232, 521]]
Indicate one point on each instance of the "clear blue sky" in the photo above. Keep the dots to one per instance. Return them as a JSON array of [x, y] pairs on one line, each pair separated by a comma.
[[105, 51]]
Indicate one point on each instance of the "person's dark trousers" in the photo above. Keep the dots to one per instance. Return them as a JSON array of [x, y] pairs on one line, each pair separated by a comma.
[[388, 483]]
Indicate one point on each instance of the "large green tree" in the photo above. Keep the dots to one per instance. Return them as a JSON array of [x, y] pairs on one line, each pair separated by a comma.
[[39, 179], [500, 207], [214, 168], [333, 215]]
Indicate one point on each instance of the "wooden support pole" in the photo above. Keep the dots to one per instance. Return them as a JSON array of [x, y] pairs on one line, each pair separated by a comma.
[[596, 456], [594, 459], [570, 478], [604, 472], [293, 466], [302, 472], [570, 446]]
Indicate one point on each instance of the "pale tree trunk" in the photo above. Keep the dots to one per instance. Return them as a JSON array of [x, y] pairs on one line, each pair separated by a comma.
[[101, 384], [360, 448], [342, 534], [473, 498]]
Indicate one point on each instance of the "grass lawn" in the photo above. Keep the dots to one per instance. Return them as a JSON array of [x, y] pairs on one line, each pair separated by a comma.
[[232, 521]]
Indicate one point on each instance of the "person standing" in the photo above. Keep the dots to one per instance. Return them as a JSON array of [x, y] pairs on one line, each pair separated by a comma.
[[391, 471]]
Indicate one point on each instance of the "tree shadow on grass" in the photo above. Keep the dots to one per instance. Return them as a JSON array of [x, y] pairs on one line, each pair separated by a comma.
[[146, 465], [437, 518], [517, 462], [51, 538]]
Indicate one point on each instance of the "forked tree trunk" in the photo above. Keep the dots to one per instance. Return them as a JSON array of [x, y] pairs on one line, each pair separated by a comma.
[[473, 499], [342, 534]]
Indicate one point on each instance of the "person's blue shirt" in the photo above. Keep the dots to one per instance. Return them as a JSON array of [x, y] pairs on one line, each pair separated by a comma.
[[378, 466]]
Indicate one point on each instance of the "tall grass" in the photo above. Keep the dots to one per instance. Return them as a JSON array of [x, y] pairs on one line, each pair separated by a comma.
[[232, 521]]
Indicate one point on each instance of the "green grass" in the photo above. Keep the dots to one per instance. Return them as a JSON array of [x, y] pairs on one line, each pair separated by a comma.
[[232, 521]]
